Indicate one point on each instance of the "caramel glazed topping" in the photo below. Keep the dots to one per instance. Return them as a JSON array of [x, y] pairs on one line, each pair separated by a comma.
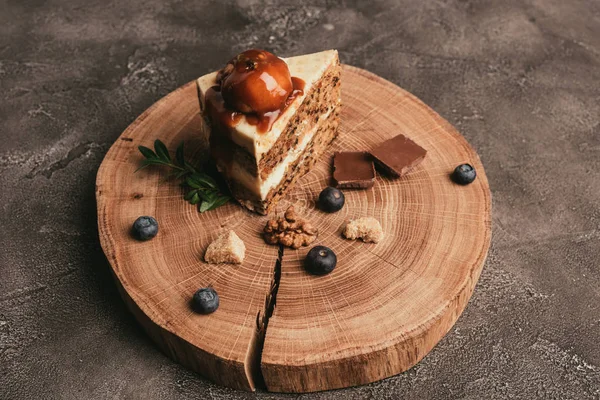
[[255, 84]]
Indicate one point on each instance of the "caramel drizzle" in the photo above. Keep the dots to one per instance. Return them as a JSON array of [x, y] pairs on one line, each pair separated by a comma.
[[224, 117]]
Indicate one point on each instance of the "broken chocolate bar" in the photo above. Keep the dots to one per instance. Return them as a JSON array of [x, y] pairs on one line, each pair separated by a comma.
[[353, 170], [397, 156]]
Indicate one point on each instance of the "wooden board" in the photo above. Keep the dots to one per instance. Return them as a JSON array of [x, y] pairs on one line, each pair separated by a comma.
[[378, 313]]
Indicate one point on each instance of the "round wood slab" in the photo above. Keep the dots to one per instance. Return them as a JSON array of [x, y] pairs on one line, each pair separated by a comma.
[[382, 309]]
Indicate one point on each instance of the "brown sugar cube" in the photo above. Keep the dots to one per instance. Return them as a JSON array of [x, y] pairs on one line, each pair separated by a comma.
[[227, 248], [397, 156], [353, 170], [368, 229]]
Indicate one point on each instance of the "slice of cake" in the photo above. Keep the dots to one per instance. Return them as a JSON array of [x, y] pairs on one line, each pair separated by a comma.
[[270, 119]]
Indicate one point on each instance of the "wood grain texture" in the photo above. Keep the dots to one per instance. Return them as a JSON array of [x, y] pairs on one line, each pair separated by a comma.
[[379, 312]]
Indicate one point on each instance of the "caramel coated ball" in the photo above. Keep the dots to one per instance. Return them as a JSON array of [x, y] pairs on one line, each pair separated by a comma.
[[256, 81]]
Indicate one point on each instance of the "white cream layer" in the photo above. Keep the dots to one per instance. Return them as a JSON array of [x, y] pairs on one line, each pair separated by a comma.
[[258, 186], [310, 68]]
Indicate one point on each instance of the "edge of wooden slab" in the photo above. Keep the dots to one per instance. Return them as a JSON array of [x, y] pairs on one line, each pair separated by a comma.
[[317, 376]]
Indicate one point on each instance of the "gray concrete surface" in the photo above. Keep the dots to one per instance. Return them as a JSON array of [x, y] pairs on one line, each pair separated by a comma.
[[520, 79]]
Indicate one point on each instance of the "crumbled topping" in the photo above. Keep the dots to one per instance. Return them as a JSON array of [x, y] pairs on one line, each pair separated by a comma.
[[227, 248], [291, 231], [368, 229]]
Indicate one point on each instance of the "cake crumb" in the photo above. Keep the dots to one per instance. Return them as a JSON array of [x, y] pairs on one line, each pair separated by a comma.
[[291, 231], [227, 248], [368, 229]]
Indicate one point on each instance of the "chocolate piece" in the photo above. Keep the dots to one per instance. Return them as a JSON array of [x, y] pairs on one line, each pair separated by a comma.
[[353, 170], [397, 156]]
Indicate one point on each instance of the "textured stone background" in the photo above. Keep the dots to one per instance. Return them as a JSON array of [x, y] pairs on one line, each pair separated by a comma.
[[520, 79]]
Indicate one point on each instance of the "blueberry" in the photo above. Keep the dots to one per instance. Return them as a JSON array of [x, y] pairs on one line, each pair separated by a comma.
[[464, 174], [205, 301], [320, 260], [331, 199], [145, 228]]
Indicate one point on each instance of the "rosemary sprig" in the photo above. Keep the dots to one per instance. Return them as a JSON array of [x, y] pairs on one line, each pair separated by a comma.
[[201, 188]]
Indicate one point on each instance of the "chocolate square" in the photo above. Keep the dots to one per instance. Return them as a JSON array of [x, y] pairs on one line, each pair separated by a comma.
[[397, 156], [353, 170]]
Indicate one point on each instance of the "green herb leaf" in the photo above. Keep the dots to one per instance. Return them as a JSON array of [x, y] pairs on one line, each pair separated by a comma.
[[155, 162], [209, 196], [205, 206], [146, 152], [220, 201], [215, 202], [191, 182], [161, 150], [181, 174], [202, 189], [190, 167], [188, 196], [203, 180]]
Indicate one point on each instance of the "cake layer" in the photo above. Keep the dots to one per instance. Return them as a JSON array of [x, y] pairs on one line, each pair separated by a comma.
[[323, 97], [325, 132], [261, 184]]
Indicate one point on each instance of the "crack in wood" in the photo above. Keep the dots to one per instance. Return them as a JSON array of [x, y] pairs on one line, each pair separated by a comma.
[[262, 322]]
